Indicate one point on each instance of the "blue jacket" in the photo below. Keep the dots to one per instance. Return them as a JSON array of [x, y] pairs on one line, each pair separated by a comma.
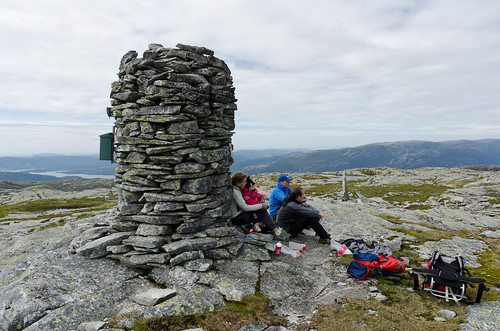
[[278, 194]]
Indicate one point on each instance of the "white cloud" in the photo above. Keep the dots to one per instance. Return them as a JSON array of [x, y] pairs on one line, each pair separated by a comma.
[[335, 73]]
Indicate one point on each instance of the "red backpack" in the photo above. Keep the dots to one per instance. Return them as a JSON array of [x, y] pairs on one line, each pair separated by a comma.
[[388, 266]]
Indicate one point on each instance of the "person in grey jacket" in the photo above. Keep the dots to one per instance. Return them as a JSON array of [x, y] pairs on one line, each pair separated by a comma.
[[295, 215], [243, 214]]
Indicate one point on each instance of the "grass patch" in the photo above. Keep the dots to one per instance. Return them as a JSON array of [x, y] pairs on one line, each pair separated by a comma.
[[44, 205], [495, 201], [404, 310], [418, 207], [436, 235], [490, 269], [411, 255], [367, 172], [460, 183], [53, 225], [393, 219], [401, 193], [313, 176], [231, 317], [328, 189]]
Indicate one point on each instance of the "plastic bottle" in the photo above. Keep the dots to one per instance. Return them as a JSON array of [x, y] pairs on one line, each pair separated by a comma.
[[335, 245], [292, 252], [297, 246], [277, 248], [342, 250]]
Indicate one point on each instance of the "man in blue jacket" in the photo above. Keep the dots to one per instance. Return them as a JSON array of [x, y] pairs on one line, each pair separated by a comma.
[[278, 194]]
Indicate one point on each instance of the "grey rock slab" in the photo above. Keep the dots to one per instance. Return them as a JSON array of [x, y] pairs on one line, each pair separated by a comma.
[[225, 231], [149, 242], [291, 287], [236, 278], [254, 326], [457, 246], [347, 220], [176, 277], [149, 259], [88, 236], [97, 248], [199, 265], [91, 326], [197, 300], [448, 314], [186, 256], [181, 246], [491, 234], [253, 253], [482, 316], [59, 292], [154, 296], [153, 230]]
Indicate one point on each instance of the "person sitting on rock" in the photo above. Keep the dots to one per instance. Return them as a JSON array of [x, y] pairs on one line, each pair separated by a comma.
[[295, 216], [278, 194], [243, 214], [250, 193]]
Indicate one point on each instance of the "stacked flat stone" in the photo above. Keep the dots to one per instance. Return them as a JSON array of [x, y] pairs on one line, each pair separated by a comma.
[[174, 111]]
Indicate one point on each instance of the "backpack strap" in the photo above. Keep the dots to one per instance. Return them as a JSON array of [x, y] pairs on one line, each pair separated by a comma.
[[434, 257], [461, 263]]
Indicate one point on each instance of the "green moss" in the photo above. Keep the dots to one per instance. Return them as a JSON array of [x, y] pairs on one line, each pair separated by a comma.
[[418, 207], [53, 225], [368, 172], [45, 205], [401, 193], [392, 219], [436, 234], [328, 189], [494, 201], [313, 176], [490, 265]]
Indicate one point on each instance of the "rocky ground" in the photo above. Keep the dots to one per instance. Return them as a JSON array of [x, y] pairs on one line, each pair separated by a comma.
[[44, 285]]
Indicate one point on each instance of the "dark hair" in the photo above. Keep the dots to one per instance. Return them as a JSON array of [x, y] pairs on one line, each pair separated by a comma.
[[296, 192], [238, 177], [250, 183]]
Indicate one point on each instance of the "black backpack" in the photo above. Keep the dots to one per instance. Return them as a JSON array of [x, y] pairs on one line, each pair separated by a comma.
[[445, 277]]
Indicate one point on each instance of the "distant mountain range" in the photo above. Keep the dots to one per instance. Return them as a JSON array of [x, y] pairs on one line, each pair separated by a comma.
[[46, 167], [401, 154]]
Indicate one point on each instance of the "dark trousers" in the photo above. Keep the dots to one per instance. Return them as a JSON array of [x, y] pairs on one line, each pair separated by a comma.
[[247, 218], [305, 222]]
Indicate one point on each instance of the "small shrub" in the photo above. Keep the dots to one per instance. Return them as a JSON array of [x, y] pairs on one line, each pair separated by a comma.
[[368, 172]]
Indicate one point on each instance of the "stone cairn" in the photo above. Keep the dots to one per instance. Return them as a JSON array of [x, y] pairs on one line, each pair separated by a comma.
[[174, 116]]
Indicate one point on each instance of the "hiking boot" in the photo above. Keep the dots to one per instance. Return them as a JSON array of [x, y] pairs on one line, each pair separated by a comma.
[[325, 241], [282, 235], [246, 228]]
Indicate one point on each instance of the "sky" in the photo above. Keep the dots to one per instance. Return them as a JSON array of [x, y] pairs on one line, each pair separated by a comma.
[[308, 74]]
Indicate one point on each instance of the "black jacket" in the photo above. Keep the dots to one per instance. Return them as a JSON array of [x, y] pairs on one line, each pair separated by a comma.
[[292, 211]]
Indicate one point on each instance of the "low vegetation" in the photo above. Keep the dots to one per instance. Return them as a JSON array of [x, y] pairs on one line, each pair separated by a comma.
[[404, 310], [401, 193], [44, 208], [231, 317]]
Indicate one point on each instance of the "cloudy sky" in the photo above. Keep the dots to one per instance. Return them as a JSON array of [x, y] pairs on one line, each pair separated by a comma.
[[308, 74]]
